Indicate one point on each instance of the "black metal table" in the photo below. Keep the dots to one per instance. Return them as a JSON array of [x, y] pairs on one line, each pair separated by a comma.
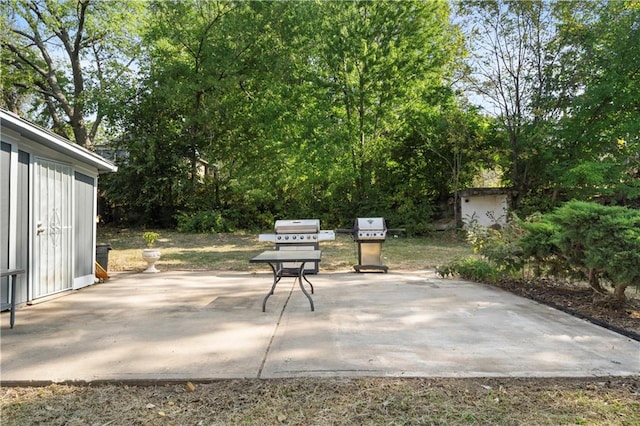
[[11, 284], [275, 258]]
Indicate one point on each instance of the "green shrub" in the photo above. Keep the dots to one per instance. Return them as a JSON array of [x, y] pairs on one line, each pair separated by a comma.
[[499, 246], [599, 241], [207, 221], [470, 269], [539, 249]]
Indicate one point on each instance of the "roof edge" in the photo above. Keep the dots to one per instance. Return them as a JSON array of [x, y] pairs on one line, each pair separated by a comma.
[[54, 141]]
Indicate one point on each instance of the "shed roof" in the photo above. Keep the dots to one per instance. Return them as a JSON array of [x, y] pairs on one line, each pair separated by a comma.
[[55, 142], [487, 191]]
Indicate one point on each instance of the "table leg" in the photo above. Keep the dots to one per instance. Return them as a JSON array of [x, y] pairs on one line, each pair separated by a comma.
[[308, 282], [302, 277], [13, 300], [276, 278]]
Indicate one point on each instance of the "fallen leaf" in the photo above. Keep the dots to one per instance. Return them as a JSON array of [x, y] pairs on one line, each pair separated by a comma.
[[191, 387]]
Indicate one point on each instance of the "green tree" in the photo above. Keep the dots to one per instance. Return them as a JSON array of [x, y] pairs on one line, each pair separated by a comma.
[[600, 126], [380, 62], [257, 90], [511, 51], [76, 56], [444, 149], [206, 100]]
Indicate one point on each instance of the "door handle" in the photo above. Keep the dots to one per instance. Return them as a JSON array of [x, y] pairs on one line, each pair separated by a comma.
[[40, 229]]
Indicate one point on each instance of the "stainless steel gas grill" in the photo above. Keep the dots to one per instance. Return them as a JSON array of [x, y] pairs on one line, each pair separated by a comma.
[[369, 233], [299, 234]]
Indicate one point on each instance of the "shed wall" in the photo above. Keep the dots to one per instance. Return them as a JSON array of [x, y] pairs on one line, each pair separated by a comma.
[[487, 210], [5, 179], [84, 224], [19, 160]]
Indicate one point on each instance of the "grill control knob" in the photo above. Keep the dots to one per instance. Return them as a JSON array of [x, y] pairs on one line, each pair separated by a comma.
[[279, 237], [294, 237], [286, 237]]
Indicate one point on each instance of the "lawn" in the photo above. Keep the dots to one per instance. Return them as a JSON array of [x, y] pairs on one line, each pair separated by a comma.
[[232, 251]]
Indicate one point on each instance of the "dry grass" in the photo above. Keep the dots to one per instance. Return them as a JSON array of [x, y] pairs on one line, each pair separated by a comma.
[[363, 401], [224, 252]]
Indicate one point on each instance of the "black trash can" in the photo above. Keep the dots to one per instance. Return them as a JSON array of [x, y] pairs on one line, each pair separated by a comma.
[[102, 255]]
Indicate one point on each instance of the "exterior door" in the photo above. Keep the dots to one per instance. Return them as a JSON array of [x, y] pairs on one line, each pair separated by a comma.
[[52, 221]]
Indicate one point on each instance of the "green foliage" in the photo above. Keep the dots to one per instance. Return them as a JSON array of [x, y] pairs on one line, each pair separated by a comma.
[[501, 254], [499, 246], [579, 239], [335, 109], [539, 248], [208, 221], [295, 108], [570, 114], [470, 269], [72, 59], [580, 231], [603, 238], [594, 83], [619, 247], [150, 238], [589, 238]]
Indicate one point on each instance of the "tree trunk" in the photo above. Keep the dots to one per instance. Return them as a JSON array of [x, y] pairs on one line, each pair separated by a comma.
[[618, 293], [594, 282]]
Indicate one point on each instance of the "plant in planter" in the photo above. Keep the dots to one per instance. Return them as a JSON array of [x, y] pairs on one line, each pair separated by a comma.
[[150, 254]]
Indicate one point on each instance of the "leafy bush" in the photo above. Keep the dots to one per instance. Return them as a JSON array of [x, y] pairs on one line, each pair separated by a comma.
[[207, 221], [499, 246], [150, 238], [579, 239], [470, 269], [539, 248], [601, 241]]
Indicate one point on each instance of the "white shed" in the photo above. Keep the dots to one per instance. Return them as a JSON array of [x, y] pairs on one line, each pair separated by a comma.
[[486, 206], [48, 188]]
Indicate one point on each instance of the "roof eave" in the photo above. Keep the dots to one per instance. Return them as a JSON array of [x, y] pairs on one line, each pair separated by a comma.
[[56, 142]]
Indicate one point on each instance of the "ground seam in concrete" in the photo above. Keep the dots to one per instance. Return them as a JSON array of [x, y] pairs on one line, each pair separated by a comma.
[[275, 330]]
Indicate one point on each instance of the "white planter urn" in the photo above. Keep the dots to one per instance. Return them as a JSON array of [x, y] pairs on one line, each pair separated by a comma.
[[151, 256]]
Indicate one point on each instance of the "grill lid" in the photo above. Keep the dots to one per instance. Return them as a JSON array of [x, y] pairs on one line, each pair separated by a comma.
[[370, 224], [305, 226], [370, 228]]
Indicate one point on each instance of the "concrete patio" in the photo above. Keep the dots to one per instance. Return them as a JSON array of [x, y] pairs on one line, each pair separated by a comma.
[[209, 325]]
